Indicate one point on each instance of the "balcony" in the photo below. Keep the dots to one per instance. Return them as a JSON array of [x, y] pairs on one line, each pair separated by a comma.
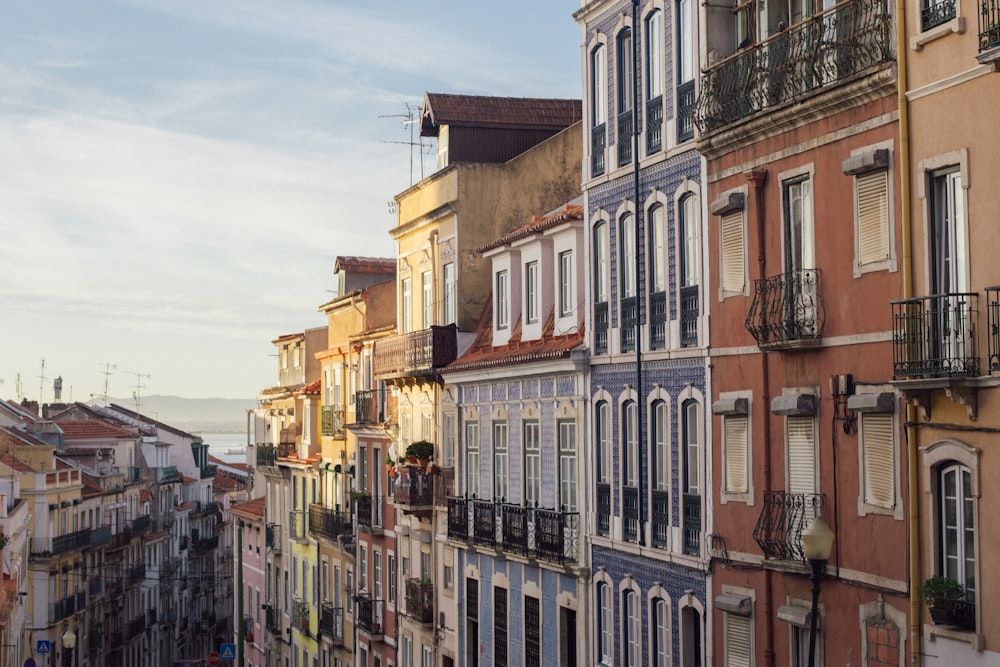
[[660, 518], [272, 619], [989, 27], [136, 626], [64, 608], [601, 328], [658, 320], [272, 537], [691, 507], [415, 492], [331, 623], [332, 421], [444, 486], [208, 471], [300, 615], [372, 405], [204, 545], [598, 146], [654, 125], [167, 474], [817, 53], [458, 519], [514, 522], [484, 523], [623, 139], [685, 111], [935, 336], [787, 311], [936, 13], [370, 618], [689, 316], [603, 509], [550, 535], [63, 544], [328, 523], [779, 527], [151, 617], [631, 530], [418, 353], [268, 455], [297, 525], [141, 524], [136, 574], [557, 535], [420, 601], [100, 537], [629, 319], [369, 509]]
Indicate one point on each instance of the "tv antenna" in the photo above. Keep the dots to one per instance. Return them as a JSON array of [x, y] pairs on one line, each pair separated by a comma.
[[137, 390], [41, 385], [108, 371], [410, 119]]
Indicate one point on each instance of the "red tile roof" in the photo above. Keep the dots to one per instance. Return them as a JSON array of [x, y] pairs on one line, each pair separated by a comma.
[[91, 490], [145, 496], [510, 112], [223, 483], [539, 223], [90, 429], [253, 509], [16, 464], [377, 265], [311, 389]]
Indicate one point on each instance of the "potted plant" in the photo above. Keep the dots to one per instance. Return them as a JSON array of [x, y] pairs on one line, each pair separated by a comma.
[[940, 594], [357, 494], [421, 451]]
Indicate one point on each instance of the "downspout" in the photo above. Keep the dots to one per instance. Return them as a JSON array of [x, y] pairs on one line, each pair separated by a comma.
[[912, 436], [436, 317], [239, 593], [758, 177], [638, 263]]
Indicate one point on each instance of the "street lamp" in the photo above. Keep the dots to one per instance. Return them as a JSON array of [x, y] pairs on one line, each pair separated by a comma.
[[69, 643], [817, 541]]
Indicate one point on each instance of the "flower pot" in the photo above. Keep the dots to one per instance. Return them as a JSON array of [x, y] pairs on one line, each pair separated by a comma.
[[942, 615]]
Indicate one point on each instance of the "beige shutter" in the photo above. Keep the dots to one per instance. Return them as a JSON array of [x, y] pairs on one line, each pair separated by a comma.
[[736, 453], [404, 546], [876, 430], [737, 641], [449, 556], [733, 265], [873, 217], [801, 455]]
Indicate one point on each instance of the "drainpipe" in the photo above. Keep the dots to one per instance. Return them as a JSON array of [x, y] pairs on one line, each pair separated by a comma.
[[758, 177], [436, 317], [639, 400], [912, 436], [239, 594]]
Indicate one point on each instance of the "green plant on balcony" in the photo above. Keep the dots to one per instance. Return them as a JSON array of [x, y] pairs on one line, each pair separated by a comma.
[[420, 451], [940, 594], [357, 494]]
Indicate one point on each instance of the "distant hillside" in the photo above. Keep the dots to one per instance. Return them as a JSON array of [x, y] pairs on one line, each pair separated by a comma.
[[195, 415]]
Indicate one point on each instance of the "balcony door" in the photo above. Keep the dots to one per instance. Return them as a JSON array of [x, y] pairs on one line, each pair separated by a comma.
[[948, 254], [798, 286]]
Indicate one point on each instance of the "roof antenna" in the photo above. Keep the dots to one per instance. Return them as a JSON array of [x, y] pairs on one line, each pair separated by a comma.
[[411, 118]]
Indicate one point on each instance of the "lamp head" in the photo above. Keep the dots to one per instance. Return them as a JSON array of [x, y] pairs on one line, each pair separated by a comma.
[[69, 639], [817, 540]]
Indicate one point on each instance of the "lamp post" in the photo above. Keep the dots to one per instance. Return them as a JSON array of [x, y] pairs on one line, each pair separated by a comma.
[[817, 541], [68, 643]]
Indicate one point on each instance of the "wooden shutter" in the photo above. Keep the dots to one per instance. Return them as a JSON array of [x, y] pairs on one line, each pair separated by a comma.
[[736, 453], [733, 254], [873, 217], [801, 455], [449, 556], [737, 641], [880, 468]]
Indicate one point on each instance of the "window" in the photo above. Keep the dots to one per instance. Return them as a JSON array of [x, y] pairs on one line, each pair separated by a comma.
[[605, 625], [598, 109], [734, 434], [532, 464], [628, 255], [426, 426], [502, 312], [472, 623], [879, 459], [406, 304], [801, 455], [405, 653], [450, 315], [949, 250], [654, 55], [956, 530], [691, 502], [601, 263], [377, 574], [500, 627], [500, 462], [872, 197], [449, 440], [449, 567], [532, 632], [566, 300], [657, 256], [362, 569], [660, 446], [391, 577], [567, 465], [472, 459], [602, 428], [738, 652], [800, 251], [426, 300], [685, 41], [428, 656], [531, 292], [632, 629], [733, 265], [625, 65], [689, 227], [630, 436], [661, 632]]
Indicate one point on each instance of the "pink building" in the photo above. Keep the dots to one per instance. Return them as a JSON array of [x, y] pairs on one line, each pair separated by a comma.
[[250, 566]]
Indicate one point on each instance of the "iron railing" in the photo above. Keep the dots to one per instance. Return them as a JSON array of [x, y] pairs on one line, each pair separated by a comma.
[[623, 138], [631, 531], [370, 616], [136, 626], [787, 310], [369, 509], [603, 509], [936, 12], [993, 323], [989, 24], [514, 520], [272, 618], [168, 474], [660, 518], [205, 544], [300, 615], [415, 488], [420, 600], [779, 527], [692, 523], [689, 315], [328, 523], [822, 50], [551, 535], [208, 471], [100, 536], [297, 525], [332, 420], [685, 111], [136, 574], [458, 519], [484, 523], [272, 536], [56, 546], [331, 623], [268, 455], [598, 146], [935, 336], [658, 320], [654, 125], [557, 535], [370, 406], [601, 327], [416, 352], [444, 486], [63, 608], [141, 524], [628, 320]]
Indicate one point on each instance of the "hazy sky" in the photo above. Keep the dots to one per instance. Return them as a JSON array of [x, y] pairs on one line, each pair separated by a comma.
[[177, 178]]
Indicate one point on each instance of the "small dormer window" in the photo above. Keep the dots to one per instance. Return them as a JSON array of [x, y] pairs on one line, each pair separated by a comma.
[[502, 307], [531, 292], [566, 301]]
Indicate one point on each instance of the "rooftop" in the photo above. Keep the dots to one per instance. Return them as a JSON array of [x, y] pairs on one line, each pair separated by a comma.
[[483, 111]]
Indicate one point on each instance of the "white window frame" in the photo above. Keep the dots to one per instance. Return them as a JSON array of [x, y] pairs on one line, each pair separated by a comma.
[[406, 305], [472, 458], [450, 300], [532, 462], [501, 314], [501, 461], [531, 292], [567, 300], [426, 300], [568, 486]]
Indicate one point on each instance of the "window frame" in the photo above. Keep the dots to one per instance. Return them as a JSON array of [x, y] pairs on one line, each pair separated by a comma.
[[501, 460], [567, 302], [472, 461], [568, 476], [531, 292], [501, 309], [532, 452]]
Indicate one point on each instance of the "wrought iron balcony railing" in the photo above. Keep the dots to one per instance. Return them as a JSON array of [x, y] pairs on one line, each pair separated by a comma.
[[819, 52], [415, 489], [205, 544], [272, 537], [100, 536], [300, 615], [993, 322], [332, 420], [268, 455], [557, 535], [658, 320], [331, 623], [692, 524], [598, 147], [136, 574], [370, 616], [936, 12], [420, 600], [551, 535], [631, 530], [136, 626], [208, 471], [623, 138], [484, 522], [272, 619], [168, 474], [989, 24], [685, 111], [935, 336], [369, 509], [444, 486], [371, 405], [783, 517], [601, 328], [629, 318], [654, 125], [660, 518], [62, 544], [458, 519], [328, 523], [689, 315], [416, 353], [787, 310], [514, 520], [297, 525], [603, 509]]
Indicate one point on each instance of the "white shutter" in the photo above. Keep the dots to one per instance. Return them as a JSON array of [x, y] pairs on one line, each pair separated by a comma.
[[733, 252], [737, 641], [801, 455], [877, 443], [736, 453], [449, 556], [873, 217]]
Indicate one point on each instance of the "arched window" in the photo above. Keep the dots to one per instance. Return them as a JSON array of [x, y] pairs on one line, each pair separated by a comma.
[[660, 614], [602, 451], [657, 280], [600, 287], [605, 625], [630, 472], [660, 495], [956, 531], [598, 108], [689, 240], [629, 315], [632, 629], [691, 467]]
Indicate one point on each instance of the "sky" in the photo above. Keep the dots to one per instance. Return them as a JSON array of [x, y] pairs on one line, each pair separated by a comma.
[[177, 178]]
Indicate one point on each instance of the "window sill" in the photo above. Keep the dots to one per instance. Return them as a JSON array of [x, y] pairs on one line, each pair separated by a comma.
[[976, 641], [956, 25], [991, 57]]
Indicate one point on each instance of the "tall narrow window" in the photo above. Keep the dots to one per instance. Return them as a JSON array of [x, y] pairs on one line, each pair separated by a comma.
[[567, 465], [502, 302], [600, 287], [654, 82], [626, 89], [450, 314], [472, 622], [801, 445], [602, 437], [532, 464], [426, 300], [686, 68], [630, 438], [692, 476], [689, 228], [406, 305], [661, 632], [627, 263], [632, 628], [566, 300], [733, 250], [657, 280], [532, 632], [472, 459], [500, 627], [734, 435], [531, 292], [872, 195], [605, 625], [957, 530], [501, 468], [879, 458], [598, 109], [660, 448]]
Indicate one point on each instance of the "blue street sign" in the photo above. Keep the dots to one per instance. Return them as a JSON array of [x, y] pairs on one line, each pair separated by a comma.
[[43, 646], [227, 651]]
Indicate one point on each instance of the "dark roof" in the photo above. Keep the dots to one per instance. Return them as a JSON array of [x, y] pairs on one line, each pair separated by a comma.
[[379, 265], [89, 429], [511, 112], [538, 223]]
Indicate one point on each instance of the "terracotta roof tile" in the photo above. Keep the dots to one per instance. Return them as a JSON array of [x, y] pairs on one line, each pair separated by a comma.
[[145, 496], [513, 112], [15, 464], [90, 429], [311, 389], [253, 509], [378, 265], [539, 223]]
